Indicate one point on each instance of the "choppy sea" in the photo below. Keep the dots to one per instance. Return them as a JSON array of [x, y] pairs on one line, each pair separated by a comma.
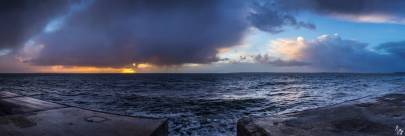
[[202, 104]]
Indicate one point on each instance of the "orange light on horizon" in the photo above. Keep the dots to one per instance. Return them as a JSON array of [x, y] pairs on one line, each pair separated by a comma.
[[144, 66], [84, 69], [128, 71]]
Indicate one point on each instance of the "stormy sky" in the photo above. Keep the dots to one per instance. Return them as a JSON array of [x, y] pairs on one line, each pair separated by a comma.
[[202, 36]]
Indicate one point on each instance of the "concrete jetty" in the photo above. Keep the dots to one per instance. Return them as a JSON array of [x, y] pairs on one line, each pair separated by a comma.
[[382, 116], [26, 116]]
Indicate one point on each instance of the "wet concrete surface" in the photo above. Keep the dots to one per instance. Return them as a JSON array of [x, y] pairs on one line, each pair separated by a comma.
[[18, 105], [383, 116], [25, 116]]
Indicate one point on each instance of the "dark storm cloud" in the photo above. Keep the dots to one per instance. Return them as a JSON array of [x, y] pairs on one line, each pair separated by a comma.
[[20, 19], [393, 48], [359, 7], [118, 33], [289, 63], [393, 9], [266, 59], [271, 17], [333, 53]]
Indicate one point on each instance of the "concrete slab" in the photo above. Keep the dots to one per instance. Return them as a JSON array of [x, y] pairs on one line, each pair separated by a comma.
[[18, 105], [6, 94], [26, 116], [384, 116], [78, 122]]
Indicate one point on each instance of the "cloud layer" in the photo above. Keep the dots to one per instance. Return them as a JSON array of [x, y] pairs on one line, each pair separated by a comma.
[[333, 53], [271, 17], [373, 11], [105, 33], [393, 48], [21, 19], [119, 33]]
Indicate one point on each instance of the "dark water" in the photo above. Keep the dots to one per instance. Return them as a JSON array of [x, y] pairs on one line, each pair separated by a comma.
[[201, 104]]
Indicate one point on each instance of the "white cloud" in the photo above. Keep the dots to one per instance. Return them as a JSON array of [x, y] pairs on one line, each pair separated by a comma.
[[372, 18], [333, 53], [4, 52]]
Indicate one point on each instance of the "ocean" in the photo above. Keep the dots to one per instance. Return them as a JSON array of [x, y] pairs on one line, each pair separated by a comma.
[[202, 104]]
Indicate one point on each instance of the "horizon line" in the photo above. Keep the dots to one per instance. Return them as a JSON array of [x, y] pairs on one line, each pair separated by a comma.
[[206, 73]]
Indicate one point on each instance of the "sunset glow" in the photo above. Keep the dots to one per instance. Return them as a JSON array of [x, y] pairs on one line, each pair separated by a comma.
[[289, 49], [84, 69], [128, 71]]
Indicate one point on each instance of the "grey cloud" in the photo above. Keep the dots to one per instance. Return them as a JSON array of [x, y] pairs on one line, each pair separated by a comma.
[[352, 8], [359, 7], [393, 48], [288, 63], [262, 58], [267, 59], [269, 16], [332, 53], [20, 19], [118, 33]]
